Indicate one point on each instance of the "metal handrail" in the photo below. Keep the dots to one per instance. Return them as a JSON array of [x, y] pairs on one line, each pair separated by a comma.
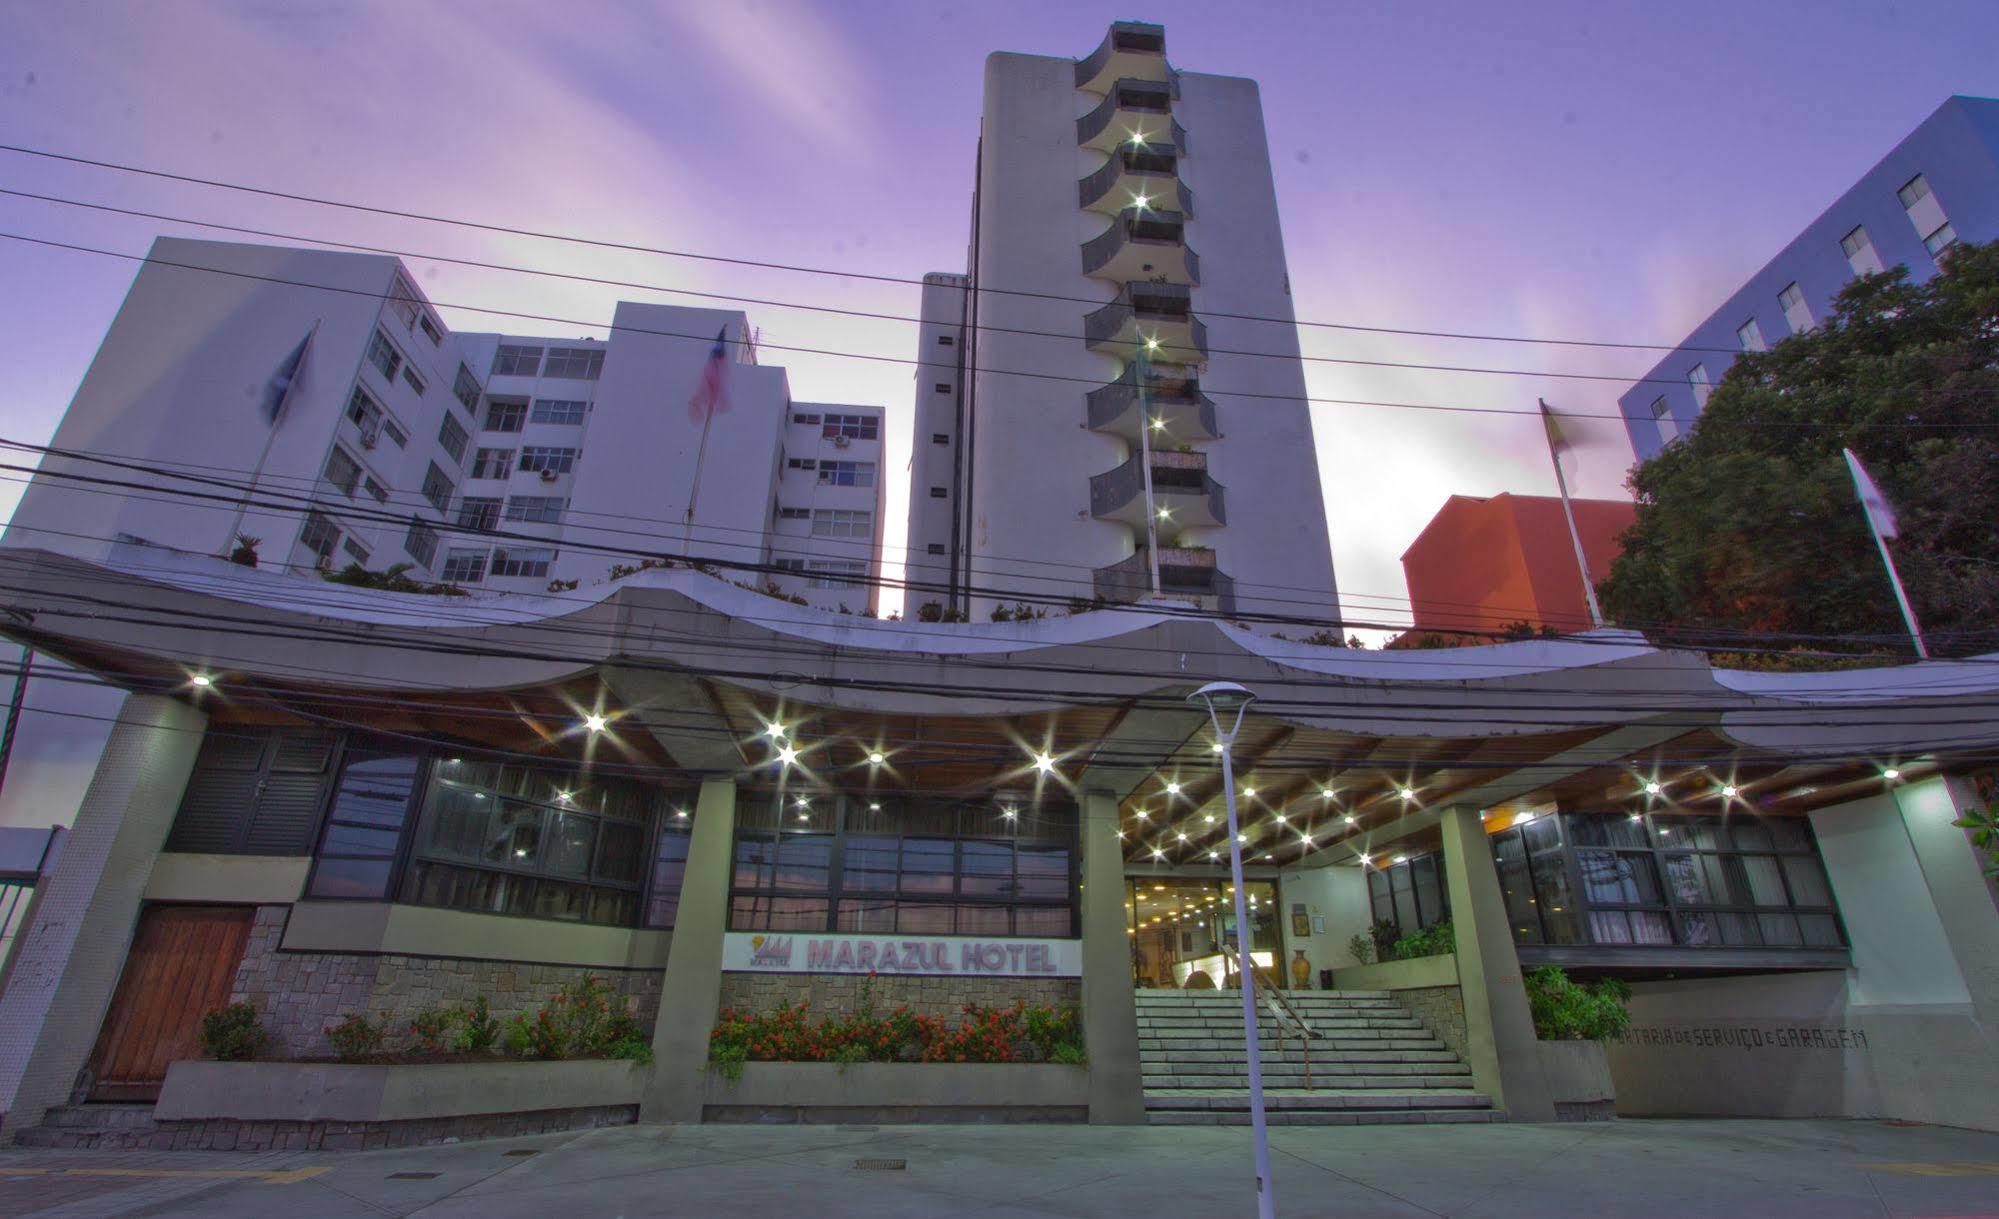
[[1282, 1012]]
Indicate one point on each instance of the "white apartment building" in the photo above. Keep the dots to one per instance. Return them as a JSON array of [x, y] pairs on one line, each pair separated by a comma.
[[1053, 468], [493, 462]]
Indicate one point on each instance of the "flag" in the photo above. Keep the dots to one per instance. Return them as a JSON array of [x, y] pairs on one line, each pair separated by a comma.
[[1880, 513], [278, 390], [711, 396]]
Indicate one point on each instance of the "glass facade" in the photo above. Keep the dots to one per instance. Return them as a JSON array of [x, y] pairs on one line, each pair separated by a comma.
[[1182, 931], [1410, 894], [905, 866], [1672, 880]]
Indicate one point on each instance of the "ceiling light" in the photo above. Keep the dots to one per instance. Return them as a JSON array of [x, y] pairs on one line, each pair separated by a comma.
[[1164, 513], [1352, 820], [805, 816], [1249, 793], [203, 680], [562, 796], [1158, 425], [1242, 837], [1139, 814], [680, 813], [1183, 835], [595, 723], [1140, 200], [1157, 853], [786, 755], [1045, 763], [1325, 793], [774, 730], [1401, 859], [877, 757], [1653, 789], [1407, 793], [875, 807], [1891, 773], [1172, 789], [1214, 854], [1009, 812], [1208, 817], [1637, 817], [803, 801], [1730, 791]]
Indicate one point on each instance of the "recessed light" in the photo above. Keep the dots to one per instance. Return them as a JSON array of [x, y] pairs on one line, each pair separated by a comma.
[[877, 757], [1407, 793], [202, 680], [1891, 773], [595, 723], [1653, 789], [1729, 792]]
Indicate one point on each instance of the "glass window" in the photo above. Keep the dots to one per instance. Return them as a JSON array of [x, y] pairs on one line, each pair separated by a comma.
[[363, 411], [1662, 415], [465, 388], [421, 542], [535, 458], [851, 427], [411, 379], [574, 363], [320, 536], [437, 487], [382, 354], [1516, 886], [842, 523], [505, 414], [1914, 191], [1943, 239], [836, 573], [1750, 335], [463, 566], [395, 433], [343, 471], [669, 870], [516, 361], [541, 509], [847, 473], [1697, 378], [522, 561], [478, 513], [559, 411], [364, 825], [1859, 250], [1797, 311], [453, 437], [375, 490], [492, 463]]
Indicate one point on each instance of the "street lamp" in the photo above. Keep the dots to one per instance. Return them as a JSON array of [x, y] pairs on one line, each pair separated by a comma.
[[1227, 701]]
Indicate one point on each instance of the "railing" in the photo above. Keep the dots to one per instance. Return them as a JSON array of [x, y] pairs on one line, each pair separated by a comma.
[[1107, 402], [1105, 178], [1104, 246], [1285, 1015], [1115, 488], [1158, 303], [1117, 101], [1130, 578], [1118, 39]]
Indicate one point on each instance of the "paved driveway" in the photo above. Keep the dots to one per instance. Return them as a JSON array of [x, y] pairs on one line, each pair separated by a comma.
[[1759, 1170]]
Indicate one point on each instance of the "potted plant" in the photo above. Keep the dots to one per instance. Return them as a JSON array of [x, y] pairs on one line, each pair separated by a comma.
[[245, 551], [1573, 1021]]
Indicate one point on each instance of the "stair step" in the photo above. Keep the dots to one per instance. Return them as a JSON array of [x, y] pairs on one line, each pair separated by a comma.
[[1377, 1117], [1317, 1098]]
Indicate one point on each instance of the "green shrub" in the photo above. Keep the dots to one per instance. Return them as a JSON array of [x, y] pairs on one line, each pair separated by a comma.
[[630, 1049], [1384, 934], [1565, 1010], [1362, 948], [987, 1034], [233, 1033], [431, 1030], [1069, 1054], [1433, 941], [356, 1038], [478, 1031]]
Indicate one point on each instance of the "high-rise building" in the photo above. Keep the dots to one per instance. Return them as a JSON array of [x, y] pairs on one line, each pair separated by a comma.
[[1938, 187], [1111, 403], [488, 461]]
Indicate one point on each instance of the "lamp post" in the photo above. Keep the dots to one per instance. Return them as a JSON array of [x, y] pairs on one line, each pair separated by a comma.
[[1225, 700]]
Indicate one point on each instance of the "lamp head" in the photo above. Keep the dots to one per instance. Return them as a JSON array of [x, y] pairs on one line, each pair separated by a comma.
[[1224, 700]]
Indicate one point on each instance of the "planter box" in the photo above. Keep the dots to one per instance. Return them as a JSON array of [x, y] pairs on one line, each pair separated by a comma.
[[1416, 973], [343, 1092], [1578, 1078], [894, 1091]]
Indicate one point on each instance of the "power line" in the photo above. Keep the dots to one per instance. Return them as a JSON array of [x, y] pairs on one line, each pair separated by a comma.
[[631, 248]]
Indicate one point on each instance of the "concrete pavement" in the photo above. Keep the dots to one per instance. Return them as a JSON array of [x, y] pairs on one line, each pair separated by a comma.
[[1756, 1169]]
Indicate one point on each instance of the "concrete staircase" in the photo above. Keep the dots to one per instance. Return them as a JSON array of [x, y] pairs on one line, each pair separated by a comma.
[[1374, 1063]]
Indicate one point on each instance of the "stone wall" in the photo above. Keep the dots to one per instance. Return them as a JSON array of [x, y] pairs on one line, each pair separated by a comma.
[[839, 994], [299, 994], [129, 1128], [1443, 1009]]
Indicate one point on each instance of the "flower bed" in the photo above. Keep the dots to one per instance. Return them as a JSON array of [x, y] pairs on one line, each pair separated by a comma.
[[1017, 1034]]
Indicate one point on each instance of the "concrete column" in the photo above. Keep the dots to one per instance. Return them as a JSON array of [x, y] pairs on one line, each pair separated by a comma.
[[69, 959], [1499, 1026], [1110, 1012], [692, 991]]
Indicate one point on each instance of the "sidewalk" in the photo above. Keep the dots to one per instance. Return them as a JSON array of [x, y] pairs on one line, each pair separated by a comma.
[[1677, 1169]]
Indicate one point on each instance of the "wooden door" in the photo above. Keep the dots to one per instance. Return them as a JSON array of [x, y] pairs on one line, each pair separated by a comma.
[[182, 963]]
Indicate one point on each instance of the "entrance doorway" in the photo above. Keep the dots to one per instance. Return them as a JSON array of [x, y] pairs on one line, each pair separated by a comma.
[[182, 963], [1182, 931]]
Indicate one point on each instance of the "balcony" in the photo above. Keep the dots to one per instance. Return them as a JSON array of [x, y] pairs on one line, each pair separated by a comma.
[[1178, 410], [1137, 176], [1130, 50], [1184, 572], [1134, 114], [1143, 245], [1182, 493], [1155, 316]]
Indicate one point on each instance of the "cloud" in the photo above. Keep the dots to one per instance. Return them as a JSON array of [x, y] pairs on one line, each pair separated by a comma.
[[796, 63]]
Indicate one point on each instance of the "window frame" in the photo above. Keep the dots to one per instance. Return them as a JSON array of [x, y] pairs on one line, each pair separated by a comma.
[[509, 360]]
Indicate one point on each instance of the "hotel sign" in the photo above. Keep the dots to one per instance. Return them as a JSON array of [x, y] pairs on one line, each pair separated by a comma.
[[843, 953]]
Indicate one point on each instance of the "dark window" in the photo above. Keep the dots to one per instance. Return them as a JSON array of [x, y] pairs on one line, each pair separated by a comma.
[[375, 489], [465, 388], [916, 867], [342, 470], [395, 433], [254, 791], [794, 514], [939, 438], [522, 561], [851, 427], [463, 567], [319, 536], [542, 509], [492, 463], [453, 437], [1410, 894], [574, 363], [412, 380], [437, 487], [943, 387], [936, 548], [420, 542], [560, 461], [939, 493], [363, 411], [945, 340], [513, 361], [847, 473], [478, 512], [430, 329], [505, 414], [364, 824], [382, 354], [354, 550]]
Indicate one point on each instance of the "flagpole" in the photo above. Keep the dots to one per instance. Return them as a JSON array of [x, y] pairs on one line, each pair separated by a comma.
[[1888, 561], [694, 488], [1145, 464], [1582, 563], [270, 438]]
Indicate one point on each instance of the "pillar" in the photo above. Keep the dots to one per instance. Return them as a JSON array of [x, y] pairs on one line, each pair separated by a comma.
[[692, 990], [70, 955], [1499, 1026], [1110, 1012]]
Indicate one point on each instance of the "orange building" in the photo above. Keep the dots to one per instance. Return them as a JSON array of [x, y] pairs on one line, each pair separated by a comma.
[[1483, 563]]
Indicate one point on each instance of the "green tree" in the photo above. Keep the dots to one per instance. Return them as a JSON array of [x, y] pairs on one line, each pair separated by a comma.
[[1750, 522]]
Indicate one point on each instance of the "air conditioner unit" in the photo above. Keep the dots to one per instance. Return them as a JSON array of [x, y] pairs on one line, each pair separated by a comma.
[[549, 476], [369, 436], [841, 442], [324, 562]]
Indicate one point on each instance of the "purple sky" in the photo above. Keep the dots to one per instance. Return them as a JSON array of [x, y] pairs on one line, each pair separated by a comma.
[[1573, 170]]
